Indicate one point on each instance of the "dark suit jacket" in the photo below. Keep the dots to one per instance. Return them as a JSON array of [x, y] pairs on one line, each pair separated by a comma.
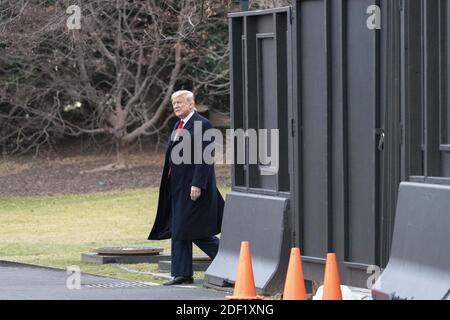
[[178, 217]]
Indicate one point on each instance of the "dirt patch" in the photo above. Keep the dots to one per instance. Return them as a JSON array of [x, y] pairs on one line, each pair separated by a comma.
[[25, 176]]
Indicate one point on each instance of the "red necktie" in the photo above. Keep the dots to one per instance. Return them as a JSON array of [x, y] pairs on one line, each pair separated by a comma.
[[180, 126]]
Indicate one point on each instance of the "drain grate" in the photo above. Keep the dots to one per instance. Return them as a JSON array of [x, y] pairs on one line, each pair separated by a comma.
[[118, 284]]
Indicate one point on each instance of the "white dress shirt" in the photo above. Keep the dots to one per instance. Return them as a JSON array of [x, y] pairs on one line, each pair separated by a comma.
[[185, 120]]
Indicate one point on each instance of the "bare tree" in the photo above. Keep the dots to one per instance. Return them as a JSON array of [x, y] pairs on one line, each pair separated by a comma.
[[265, 4], [113, 77]]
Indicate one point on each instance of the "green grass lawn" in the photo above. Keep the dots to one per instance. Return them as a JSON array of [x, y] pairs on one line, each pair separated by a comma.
[[54, 231]]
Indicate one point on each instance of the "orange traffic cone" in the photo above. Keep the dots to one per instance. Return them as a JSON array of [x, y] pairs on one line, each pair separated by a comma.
[[331, 281], [244, 288], [294, 287]]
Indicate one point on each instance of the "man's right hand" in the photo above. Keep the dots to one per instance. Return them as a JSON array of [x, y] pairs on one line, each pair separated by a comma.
[[195, 193]]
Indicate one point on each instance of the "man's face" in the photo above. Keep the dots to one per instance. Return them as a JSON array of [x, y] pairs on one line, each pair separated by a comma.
[[181, 106]]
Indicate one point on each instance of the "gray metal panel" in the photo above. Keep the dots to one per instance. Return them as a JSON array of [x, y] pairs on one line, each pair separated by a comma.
[[338, 81], [296, 156], [236, 91], [261, 58], [390, 111], [259, 100], [445, 164], [444, 103], [251, 91], [258, 12], [430, 67], [444, 70], [425, 90], [339, 135], [283, 52], [267, 96], [361, 123], [262, 220], [411, 89], [313, 109], [265, 23]]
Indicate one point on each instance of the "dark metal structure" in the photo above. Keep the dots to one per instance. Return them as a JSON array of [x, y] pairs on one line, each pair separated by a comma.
[[257, 209], [359, 109]]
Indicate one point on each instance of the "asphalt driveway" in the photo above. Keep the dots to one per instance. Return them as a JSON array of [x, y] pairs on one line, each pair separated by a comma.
[[23, 282]]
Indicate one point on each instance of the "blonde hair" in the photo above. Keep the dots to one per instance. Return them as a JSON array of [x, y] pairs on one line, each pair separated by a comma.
[[189, 96]]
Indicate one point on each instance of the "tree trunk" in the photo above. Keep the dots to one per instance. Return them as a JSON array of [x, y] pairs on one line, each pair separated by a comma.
[[122, 154], [121, 159]]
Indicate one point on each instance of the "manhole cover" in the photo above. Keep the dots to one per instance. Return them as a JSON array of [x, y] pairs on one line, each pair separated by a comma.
[[129, 250]]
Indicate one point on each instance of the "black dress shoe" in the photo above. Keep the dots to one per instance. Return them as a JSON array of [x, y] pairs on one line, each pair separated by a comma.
[[179, 280]]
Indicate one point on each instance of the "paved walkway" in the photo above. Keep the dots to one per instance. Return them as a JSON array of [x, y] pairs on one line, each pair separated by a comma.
[[22, 281]]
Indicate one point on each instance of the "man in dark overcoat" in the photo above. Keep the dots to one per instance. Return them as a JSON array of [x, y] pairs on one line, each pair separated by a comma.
[[190, 207]]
